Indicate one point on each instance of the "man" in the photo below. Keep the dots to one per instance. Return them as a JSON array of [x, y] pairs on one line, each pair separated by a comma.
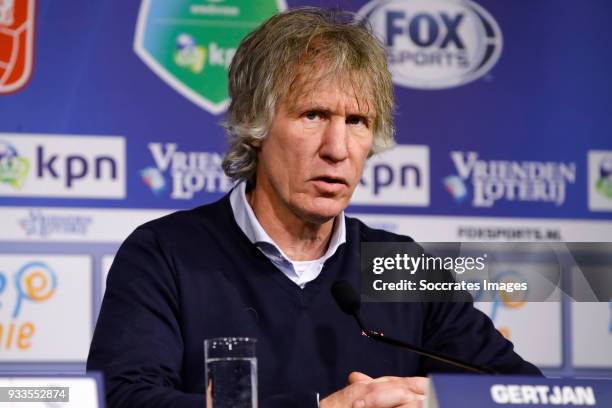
[[311, 101]]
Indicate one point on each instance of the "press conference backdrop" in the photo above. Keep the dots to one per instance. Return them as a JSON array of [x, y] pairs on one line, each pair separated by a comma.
[[111, 112]]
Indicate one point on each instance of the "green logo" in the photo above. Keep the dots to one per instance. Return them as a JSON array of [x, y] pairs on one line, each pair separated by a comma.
[[13, 168], [604, 184], [190, 43]]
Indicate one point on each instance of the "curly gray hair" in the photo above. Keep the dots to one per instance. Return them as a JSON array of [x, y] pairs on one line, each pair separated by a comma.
[[300, 43]]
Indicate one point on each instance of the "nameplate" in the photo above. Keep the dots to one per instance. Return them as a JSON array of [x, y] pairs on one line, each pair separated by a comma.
[[457, 391]]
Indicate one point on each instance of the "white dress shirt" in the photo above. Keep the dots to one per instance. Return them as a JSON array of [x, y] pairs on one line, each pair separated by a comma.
[[300, 272]]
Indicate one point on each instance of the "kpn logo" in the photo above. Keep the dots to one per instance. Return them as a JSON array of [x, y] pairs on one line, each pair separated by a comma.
[[189, 44], [397, 177], [600, 180], [435, 44], [40, 165]]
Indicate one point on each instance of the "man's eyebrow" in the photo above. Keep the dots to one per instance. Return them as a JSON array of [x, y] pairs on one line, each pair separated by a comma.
[[307, 107]]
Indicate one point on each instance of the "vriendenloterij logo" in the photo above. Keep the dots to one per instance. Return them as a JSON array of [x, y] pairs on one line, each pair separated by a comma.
[[16, 44], [190, 43], [489, 181], [13, 168], [188, 172], [435, 44]]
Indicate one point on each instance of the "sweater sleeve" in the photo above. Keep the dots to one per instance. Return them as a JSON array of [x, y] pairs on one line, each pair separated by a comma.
[[292, 400], [137, 343], [460, 330]]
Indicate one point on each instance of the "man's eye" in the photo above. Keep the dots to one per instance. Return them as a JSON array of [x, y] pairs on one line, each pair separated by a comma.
[[312, 115], [356, 120]]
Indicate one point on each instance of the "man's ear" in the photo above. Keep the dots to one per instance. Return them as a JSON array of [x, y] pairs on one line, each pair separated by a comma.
[[256, 143]]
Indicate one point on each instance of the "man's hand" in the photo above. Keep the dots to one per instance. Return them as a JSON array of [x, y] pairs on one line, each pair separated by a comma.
[[384, 392]]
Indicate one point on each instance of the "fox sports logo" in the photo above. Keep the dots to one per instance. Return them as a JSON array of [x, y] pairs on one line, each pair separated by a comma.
[[435, 44]]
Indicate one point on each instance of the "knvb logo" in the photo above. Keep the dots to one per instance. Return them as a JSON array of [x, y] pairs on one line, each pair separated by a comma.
[[495, 180], [188, 172], [62, 166], [435, 44], [34, 283], [16, 44], [397, 177]]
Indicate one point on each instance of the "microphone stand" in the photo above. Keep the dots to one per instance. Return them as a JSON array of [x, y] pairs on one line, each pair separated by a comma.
[[431, 354]]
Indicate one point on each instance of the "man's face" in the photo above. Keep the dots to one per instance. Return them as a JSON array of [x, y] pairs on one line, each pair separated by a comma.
[[314, 153]]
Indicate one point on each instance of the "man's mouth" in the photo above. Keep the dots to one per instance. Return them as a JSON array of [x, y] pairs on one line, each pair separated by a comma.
[[331, 180], [330, 185]]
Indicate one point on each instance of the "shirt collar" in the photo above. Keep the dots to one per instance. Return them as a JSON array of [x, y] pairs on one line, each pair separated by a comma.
[[248, 223]]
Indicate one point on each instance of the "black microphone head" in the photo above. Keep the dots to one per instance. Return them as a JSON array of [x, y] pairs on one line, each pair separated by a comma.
[[345, 297]]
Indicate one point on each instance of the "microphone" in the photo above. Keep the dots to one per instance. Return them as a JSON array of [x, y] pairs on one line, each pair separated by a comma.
[[349, 302]]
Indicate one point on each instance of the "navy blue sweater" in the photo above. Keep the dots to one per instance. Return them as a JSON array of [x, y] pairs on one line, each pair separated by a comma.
[[194, 275]]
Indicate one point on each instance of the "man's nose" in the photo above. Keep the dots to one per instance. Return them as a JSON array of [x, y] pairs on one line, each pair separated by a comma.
[[334, 141]]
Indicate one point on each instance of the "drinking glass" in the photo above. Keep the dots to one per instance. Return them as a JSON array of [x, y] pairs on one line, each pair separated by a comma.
[[231, 372]]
